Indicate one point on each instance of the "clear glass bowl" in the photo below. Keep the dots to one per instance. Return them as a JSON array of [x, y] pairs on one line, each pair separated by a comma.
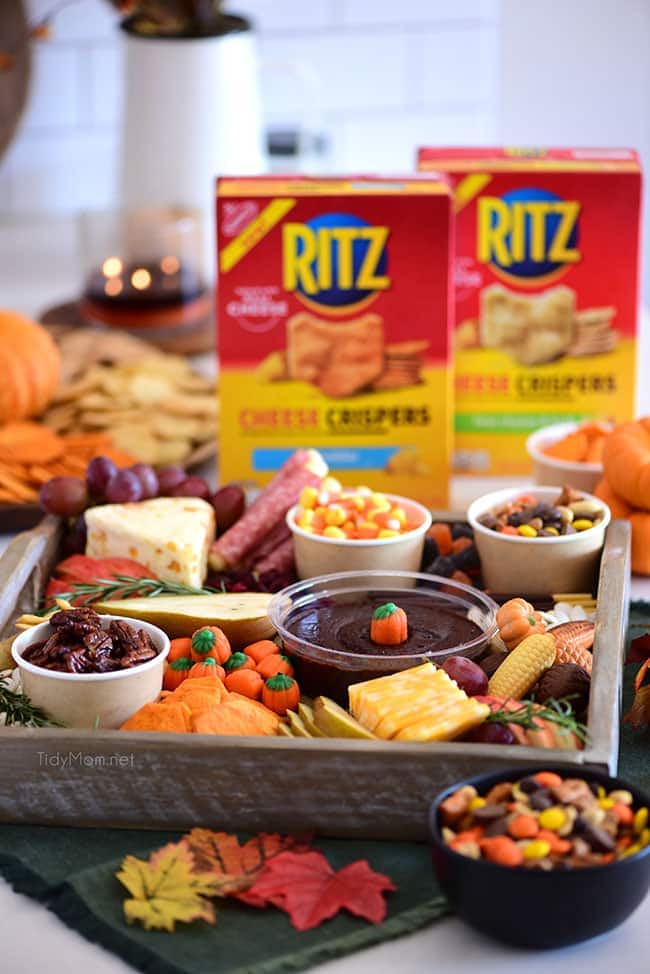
[[324, 624]]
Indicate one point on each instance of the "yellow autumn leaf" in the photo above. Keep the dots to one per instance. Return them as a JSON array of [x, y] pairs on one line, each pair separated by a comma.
[[165, 889]]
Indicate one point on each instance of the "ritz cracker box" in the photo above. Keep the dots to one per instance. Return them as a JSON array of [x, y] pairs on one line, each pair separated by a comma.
[[334, 317], [546, 294]]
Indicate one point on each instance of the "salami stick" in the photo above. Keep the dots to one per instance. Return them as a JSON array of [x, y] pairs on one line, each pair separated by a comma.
[[277, 534], [307, 470], [279, 560]]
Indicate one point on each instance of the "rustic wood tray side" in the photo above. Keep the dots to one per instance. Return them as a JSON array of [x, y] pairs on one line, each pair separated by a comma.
[[336, 787]]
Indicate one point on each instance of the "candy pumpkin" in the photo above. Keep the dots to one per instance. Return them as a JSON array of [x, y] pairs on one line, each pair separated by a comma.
[[626, 461], [30, 366], [281, 693], [206, 667], [389, 625], [176, 671], [517, 619], [210, 641]]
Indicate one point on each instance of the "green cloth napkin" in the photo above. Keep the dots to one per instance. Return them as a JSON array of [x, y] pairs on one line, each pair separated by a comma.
[[72, 871]]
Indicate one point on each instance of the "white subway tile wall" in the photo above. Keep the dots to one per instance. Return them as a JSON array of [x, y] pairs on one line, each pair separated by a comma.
[[374, 76]]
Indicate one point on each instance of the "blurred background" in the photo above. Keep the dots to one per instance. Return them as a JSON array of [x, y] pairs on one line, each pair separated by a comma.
[[345, 85]]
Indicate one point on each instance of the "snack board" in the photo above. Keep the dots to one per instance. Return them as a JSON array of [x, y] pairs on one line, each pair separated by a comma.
[[337, 786], [333, 328], [546, 294]]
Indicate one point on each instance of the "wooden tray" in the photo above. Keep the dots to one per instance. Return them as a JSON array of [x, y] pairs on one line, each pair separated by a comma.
[[336, 787]]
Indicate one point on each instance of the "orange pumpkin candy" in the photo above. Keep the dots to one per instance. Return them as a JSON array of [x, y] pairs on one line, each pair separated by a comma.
[[517, 619], [30, 365], [626, 461]]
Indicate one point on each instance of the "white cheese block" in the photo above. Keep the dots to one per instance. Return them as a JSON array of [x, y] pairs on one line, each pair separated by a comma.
[[170, 535]]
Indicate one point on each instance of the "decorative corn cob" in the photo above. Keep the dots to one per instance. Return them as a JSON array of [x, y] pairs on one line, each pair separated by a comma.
[[522, 668], [419, 704], [573, 642]]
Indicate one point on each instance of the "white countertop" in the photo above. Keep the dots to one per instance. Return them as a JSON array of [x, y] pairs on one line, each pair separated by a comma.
[[39, 261]]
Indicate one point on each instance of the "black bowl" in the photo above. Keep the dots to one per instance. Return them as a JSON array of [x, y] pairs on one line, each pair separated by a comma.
[[532, 908]]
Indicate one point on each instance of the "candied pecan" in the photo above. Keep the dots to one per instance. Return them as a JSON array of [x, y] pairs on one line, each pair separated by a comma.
[[123, 636], [80, 620], [97, 640]]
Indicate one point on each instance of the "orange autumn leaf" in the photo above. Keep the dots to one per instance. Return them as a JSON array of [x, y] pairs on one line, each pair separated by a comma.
[[235, 865]]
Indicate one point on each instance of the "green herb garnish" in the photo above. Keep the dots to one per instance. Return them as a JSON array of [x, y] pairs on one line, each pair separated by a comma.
[[125, 586], [19, 709], [559, 712]]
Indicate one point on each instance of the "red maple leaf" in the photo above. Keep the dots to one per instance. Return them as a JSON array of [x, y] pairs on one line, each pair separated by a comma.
[[639, 649], [306, 887]]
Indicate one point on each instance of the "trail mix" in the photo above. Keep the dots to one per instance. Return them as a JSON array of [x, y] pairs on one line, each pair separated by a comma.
[[528, 517], [79, 644], [544, 821]]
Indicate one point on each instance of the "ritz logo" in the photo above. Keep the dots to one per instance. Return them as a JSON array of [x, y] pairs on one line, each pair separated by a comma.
[[528, 236], [335, 262]]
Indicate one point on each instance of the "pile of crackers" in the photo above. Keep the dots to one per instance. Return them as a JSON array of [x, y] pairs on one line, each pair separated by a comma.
[[594, 334], [346, 359], [158, 409]]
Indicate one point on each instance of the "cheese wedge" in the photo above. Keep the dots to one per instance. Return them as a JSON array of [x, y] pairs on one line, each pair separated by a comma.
[[170, 535]]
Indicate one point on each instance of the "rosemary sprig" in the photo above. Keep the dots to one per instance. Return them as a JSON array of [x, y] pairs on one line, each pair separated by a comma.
[[125, 586], [559, 712], [18, 709]]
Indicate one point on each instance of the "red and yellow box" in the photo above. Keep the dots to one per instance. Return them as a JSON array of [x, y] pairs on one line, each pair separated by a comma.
[[334, 300], [546, 277]]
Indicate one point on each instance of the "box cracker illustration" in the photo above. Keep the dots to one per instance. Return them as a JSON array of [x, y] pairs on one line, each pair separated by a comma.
[[334, 328], [546, 293]]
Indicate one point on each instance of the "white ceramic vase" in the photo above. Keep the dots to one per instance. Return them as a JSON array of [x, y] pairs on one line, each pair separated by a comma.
[[192, 111]]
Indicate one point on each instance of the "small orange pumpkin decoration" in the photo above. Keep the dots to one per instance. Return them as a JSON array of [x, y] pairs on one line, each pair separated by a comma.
[[639, 522], [517, 619], [389, 625], [626, 461], [30, 366], [616, 504]]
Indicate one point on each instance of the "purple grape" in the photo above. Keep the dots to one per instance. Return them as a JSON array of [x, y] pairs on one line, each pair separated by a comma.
[[66, 496], [148, 479], [492, 733], [170, 477], [75, 540], [124, 488], [468, 675], [229, 503], [191, 487], [98, 472]]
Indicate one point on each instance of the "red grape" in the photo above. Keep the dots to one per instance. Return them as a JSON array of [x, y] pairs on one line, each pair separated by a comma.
[[66, 496], [492, 733], [123, 488], [191, 487], [468, 675], [229, 503], [98, 472], [148, 479], [169, 477]]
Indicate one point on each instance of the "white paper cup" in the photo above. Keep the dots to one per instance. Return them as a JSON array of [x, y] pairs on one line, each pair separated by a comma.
[[316, 555], [102, 700], [550, 470], [536, 566]]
